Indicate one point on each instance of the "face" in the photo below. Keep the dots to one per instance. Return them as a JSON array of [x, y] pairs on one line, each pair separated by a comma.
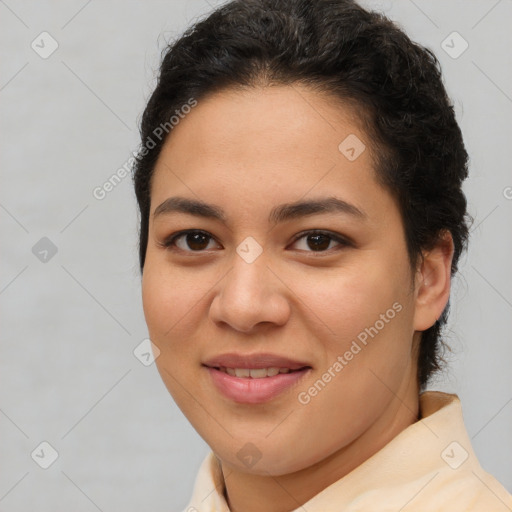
[[321, 290]]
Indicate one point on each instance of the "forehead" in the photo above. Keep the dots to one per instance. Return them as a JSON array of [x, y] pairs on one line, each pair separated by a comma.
[[279, 119], [272, 143]]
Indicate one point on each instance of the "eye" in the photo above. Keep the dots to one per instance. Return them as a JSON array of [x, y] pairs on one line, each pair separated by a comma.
[[193, 239], [320, 241]]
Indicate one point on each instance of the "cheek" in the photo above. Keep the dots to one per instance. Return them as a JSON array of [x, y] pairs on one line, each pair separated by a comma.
[[170, 299], [347, 300], [375, 345], [366, 314], [157, 303], [168, 303]]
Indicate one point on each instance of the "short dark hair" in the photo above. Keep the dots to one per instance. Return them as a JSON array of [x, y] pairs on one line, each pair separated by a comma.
[[359, 56]]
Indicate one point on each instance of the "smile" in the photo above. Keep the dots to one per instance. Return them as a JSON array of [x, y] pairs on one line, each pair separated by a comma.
[[254, 373], [254, 386]]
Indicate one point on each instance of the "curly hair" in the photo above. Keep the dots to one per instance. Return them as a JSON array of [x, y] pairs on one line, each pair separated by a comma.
[[359, 56]]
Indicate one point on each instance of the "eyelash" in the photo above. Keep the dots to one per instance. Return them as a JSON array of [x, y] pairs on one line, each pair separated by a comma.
[[169, 242]]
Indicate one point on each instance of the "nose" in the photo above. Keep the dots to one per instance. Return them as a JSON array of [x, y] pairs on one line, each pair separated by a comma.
[[249, 295]]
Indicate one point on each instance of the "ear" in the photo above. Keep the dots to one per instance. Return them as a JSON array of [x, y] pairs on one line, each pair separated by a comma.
[[433, 281]]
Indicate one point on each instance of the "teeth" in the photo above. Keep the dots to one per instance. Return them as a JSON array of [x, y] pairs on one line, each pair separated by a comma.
[[255, 373], [258, 374]]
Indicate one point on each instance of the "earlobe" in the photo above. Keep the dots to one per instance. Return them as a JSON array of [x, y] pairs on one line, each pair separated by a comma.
[[433, 281]]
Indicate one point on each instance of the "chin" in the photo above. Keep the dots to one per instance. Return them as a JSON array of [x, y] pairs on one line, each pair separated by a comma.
[[267, 460]]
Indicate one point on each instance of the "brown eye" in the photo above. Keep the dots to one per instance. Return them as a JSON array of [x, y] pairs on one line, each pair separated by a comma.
[[196, 241], [189, 241], [316, 241]]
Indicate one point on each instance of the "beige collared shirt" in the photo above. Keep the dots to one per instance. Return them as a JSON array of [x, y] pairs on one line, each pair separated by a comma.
[[430, 466]]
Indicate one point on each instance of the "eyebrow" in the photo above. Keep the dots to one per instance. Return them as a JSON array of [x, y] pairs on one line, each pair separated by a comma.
[[278, 214]]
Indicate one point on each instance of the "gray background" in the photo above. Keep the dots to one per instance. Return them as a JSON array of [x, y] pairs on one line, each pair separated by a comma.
[[70, 323]]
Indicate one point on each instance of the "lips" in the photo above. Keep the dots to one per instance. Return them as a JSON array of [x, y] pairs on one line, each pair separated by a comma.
[[241, 378], [255, 373], [254, 361]]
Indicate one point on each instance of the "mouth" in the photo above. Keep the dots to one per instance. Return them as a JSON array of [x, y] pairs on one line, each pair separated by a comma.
[[256, 373], [254, 385], [234, 361]]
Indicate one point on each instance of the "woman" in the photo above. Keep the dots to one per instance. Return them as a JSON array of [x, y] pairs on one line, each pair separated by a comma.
[[299, 184]]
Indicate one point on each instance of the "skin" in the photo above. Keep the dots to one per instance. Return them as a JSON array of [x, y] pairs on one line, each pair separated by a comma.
[[248, 151]]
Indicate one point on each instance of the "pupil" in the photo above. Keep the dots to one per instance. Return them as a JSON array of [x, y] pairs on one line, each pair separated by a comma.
[[196, 241], [316, 245]]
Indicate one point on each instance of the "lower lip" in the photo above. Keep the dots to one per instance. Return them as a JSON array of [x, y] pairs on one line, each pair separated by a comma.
[[254, 391]]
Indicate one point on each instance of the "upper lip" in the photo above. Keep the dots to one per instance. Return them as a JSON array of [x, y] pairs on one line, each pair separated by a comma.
[[254, 361]]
